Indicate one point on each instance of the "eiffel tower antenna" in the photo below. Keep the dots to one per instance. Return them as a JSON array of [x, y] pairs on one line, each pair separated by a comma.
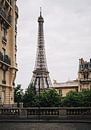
[[41, 78], [40, 11]]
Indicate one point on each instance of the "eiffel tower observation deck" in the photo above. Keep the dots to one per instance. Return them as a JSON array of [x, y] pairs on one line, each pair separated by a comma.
[[40, 78]]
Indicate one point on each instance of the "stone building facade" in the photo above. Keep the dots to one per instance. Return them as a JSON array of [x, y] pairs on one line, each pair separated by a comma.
[[8, 49], [84, 74], [65, 87]]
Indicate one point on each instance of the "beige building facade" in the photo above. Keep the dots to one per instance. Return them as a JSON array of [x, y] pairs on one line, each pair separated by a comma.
[[84, 74], [65, 87], [8, 49]]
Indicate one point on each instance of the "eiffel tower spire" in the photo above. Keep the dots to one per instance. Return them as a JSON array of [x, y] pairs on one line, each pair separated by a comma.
[[40, 11], [40, 78]]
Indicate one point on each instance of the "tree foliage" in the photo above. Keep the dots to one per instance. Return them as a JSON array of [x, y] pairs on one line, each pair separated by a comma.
[[18, 94], [77, 99], [72, 99], [50, 98], [46, 98], [29, 96]]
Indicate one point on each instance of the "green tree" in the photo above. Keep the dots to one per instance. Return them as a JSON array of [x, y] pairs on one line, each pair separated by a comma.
[[72, 99], [29, 96], [77, 99], [18, 94], [49, 98], [86, 98]]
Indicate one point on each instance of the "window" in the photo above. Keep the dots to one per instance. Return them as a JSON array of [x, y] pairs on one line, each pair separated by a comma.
[[4, 34], [4, 51], [86, 75], [90, 66], [3, 96], [81, 67], [4, 77], [86, 66]]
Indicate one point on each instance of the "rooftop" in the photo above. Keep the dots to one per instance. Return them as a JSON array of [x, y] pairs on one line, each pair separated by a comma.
[[72, 83]]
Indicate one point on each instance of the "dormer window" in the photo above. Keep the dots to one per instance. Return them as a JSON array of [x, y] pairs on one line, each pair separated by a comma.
[[86, 75], [81, 66], [86, 66]]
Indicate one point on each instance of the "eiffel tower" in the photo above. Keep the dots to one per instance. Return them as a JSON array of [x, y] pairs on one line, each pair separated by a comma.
[[40, 78]]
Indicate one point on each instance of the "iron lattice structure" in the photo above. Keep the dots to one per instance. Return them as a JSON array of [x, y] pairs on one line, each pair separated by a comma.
[[40, 78]]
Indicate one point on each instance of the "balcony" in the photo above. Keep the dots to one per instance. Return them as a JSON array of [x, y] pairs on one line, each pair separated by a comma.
[[5, 61], [4, 40], [85, 80], [5, 18], [9, 2]]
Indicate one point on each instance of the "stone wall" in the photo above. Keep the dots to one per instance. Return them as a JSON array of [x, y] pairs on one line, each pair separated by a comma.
[[47, 113]]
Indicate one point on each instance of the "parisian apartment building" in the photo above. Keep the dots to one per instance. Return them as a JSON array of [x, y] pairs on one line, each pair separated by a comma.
[[8, 49]]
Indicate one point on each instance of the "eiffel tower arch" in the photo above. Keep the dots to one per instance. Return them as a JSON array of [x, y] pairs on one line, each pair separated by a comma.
[[41, 78]]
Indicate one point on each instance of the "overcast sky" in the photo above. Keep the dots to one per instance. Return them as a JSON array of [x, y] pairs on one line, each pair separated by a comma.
[[67, 35]]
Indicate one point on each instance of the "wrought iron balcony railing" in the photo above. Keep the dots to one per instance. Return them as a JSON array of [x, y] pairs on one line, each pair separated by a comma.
[[4, 39], [5, 59], [4, 17]]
